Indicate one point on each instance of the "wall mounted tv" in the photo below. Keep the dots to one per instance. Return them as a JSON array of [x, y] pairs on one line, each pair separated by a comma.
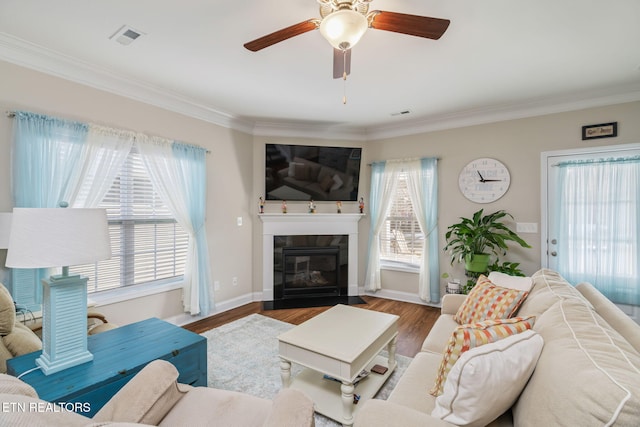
[[302, 172]]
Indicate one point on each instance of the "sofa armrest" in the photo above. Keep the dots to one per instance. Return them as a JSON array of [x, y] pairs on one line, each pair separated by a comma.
[[291, 408], [451, 303], [147, 397], [376, 412]]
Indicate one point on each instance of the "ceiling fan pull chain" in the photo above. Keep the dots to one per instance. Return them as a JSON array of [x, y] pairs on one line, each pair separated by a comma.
[[344, 76]]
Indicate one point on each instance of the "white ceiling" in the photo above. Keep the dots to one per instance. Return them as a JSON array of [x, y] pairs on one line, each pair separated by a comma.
[[499, 59]]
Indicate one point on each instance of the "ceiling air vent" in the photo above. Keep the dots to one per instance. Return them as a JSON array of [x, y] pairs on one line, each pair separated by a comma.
[[400, 113], [126, 35]]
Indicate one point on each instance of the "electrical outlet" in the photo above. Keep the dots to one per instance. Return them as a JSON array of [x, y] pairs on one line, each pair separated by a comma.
[[234, 281], [216, 285], [527, 227]]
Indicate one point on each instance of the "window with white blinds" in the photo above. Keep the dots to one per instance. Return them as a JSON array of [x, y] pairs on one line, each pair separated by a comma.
[[147, 244], [401, 237]]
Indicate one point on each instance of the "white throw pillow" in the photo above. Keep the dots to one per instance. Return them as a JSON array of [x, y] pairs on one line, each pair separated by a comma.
[[511, 282], [487, 380], [337, 182]]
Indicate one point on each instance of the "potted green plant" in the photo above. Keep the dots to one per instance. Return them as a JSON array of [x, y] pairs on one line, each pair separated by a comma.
[[472, 241]]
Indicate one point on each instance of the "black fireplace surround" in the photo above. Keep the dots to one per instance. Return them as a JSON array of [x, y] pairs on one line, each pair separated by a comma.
[[310, 270]]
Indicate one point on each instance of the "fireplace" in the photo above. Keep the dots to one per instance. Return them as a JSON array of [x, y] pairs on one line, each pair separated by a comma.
[[310, 266], [297, 231]]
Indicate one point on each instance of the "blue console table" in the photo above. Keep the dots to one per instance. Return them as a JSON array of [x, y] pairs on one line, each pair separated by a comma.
[[118, 355]]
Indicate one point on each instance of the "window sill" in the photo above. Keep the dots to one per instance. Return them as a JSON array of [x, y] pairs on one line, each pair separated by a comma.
[[396, 266], [113, 296]]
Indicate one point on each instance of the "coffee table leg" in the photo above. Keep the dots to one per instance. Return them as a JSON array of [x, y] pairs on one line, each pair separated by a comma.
[[285, 372], [347, 403], [391, 349]]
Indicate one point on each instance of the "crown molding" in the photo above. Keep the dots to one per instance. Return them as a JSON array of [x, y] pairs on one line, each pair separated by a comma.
[[35, 57], [539, 107], [30, 55]]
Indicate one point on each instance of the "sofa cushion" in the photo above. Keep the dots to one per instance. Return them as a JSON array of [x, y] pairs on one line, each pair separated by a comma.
[[615, 317], [22, 340], [587, 373], [511, 282], [548, 288], [12, 385], [467, 337], [411, 390], [439, 335], [202, 406], [487, 380], [488, 301], [7, 311]]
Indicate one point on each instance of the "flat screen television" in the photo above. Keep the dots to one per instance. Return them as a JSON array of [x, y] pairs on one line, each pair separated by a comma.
[[302, 172]]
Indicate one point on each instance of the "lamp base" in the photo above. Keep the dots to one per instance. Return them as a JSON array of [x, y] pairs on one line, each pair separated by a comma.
[[49, 367], [64, 324]]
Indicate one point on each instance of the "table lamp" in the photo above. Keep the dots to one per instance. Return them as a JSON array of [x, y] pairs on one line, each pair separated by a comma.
[[59, 237]]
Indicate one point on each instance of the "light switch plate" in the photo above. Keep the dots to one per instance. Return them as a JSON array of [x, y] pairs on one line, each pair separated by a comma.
[[527, 227]]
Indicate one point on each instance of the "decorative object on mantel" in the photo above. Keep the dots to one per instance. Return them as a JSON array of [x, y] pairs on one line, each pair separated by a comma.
[[312, 207], [339, 206], [261, 204], [361, 204], [604, 130], [284, 206]]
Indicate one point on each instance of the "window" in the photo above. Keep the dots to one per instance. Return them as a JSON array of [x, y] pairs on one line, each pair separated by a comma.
[[401, 237], [147, 244]]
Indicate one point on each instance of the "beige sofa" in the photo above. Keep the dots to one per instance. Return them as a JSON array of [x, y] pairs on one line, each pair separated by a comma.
[[588, 373], [153, 397]]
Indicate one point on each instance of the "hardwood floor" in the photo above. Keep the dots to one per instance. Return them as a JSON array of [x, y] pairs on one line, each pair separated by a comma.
[[414, 324]]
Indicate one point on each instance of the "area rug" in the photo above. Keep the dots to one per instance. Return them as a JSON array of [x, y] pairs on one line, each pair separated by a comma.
[[243, 356]]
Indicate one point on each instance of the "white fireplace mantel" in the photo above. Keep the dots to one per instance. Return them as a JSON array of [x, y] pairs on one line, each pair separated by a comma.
[[308, 224]]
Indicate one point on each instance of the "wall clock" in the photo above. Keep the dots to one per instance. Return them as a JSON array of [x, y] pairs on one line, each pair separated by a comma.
[[484, 180]]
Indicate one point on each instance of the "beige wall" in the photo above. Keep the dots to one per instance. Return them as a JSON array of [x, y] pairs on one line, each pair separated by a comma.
[[229, 169], [236, 175], [518, 144]]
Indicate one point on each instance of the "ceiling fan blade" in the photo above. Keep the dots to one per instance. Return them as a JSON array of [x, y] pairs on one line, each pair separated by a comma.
[[281, 35], [341, 63], [414, 25]]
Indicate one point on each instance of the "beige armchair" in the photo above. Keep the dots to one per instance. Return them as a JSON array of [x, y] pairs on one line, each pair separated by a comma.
[[17, 339], [154, 397]]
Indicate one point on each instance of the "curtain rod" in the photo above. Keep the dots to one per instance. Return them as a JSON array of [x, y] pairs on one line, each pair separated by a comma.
[[12, 114], [405, 160]]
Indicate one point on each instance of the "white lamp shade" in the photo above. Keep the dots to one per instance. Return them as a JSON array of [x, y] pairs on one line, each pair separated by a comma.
[[57, 237], [5, 228], [344, 28]]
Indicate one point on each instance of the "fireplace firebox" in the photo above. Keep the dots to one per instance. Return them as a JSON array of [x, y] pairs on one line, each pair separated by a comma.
[[310, 266]]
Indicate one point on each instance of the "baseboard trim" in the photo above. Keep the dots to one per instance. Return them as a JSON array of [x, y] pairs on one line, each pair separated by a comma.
[[221, 307], [398, 296]]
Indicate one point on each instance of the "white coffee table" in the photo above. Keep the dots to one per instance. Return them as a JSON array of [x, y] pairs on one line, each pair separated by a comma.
[[341, 342]]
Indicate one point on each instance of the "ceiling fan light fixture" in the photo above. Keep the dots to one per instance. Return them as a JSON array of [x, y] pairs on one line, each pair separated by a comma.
[[344, 28]]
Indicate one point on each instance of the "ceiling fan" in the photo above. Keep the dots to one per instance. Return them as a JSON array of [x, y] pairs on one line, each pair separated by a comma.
[[344, 22]]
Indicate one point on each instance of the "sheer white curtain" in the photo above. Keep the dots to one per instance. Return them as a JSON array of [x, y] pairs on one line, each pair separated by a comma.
[[384, 180], [105, 151], [598, 211], [178, 174], [423, 186]]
